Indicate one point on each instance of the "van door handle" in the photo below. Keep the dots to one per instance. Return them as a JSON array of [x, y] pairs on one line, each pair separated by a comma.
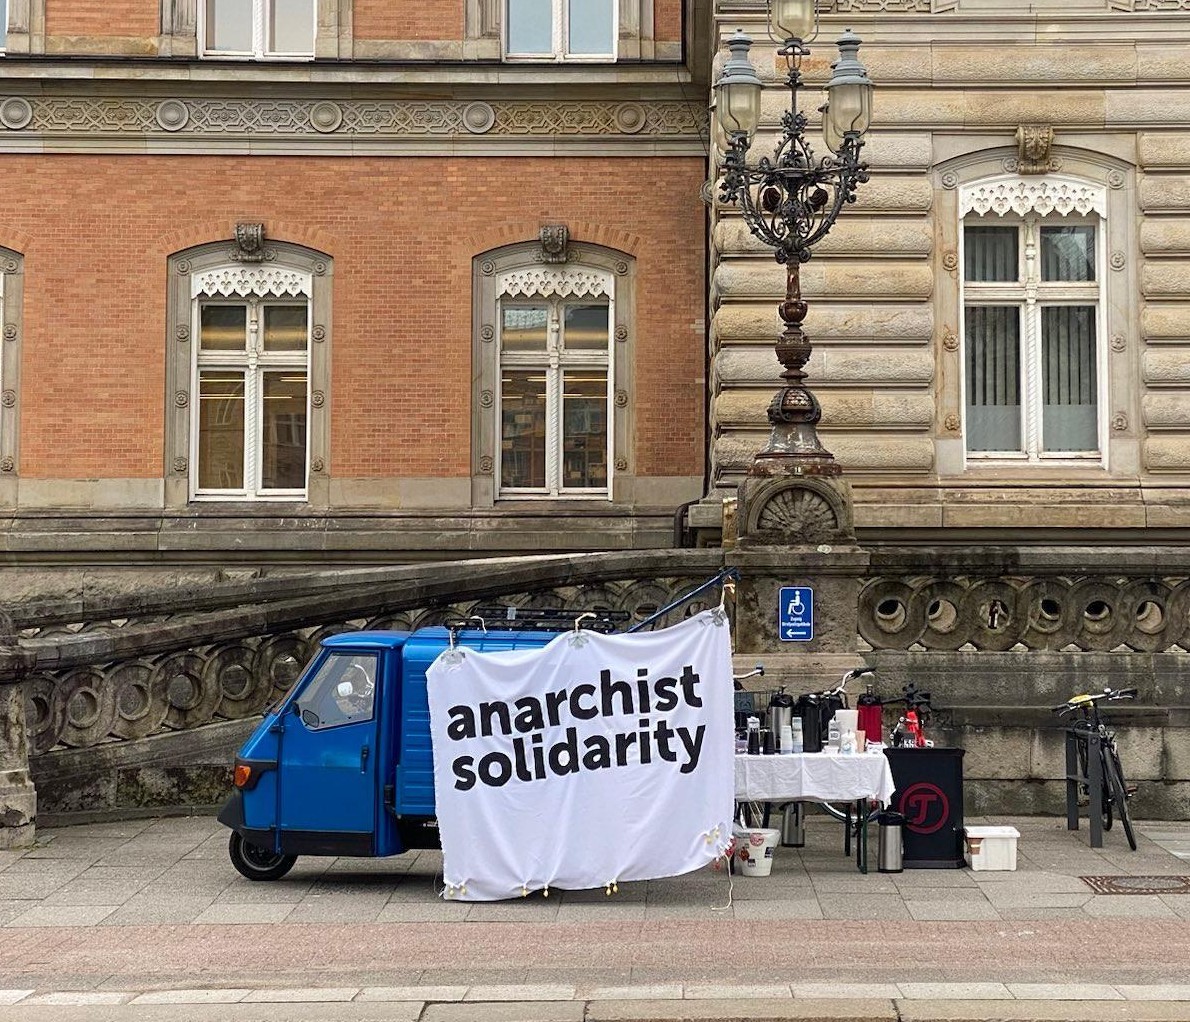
[[363, 760]]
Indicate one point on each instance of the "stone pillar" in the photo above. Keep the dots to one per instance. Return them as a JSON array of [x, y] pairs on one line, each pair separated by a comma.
[[797, 532], [18, 799]]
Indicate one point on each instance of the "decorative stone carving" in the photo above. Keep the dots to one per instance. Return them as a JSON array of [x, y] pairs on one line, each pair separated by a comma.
[[487, 267], [1118, 342], [317, 465], [1118, 261], [950, 261], [182, 333], [249, 243], [16, 113], [798, 512], [223, 117], [1119, 422], [621, 333], [172, 114], [7, 464], [318, 399], [1034, 142], [630, 118], [326, 117], [554, 241], [486, 465], [950, 341], [561, 282], [952, 423], [1116, 179], [487, 399], [262, 281], [1049, 195], [487, 333], [621, 268], [319, 268], [950, 179], [10, 332], [318, 333], [183, 266], [621, 464], [8, 265], [181, 465], [8, 398], [181, 398], [621, 399], [478, 118]]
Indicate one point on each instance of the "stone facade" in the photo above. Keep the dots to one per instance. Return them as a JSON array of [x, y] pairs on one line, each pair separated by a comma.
[[957, 82]]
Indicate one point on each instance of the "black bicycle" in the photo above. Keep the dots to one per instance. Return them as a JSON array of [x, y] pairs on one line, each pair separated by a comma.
[[1116, 791]]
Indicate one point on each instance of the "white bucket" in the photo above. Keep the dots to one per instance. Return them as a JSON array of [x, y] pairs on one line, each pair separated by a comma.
[[754, 849]]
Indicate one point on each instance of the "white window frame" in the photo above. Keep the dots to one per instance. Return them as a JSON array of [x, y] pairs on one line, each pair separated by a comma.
[[260, 29], [254, 363], [1029, 206], [4, 24], [560, 31], [555, 362]]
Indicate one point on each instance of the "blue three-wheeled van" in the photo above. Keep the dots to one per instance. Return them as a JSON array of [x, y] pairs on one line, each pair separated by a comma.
[[343, 764]]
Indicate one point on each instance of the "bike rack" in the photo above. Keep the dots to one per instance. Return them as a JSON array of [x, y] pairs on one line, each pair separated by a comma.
[[1093, 780]]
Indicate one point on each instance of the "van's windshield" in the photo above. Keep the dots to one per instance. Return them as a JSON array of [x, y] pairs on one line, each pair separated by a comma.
[[343, 691]]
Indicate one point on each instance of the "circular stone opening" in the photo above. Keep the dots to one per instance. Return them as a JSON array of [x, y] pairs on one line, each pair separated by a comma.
[[39, 711], [83, 709], [942, 615], [891, 615], [1150, 617], [1051, 609], [184, 692], [133, 701], [235, 681]]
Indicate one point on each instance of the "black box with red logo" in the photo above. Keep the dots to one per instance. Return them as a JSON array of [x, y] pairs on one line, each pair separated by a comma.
[[930, 796]]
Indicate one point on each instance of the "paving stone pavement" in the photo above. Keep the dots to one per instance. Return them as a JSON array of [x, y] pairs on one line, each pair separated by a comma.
[[125, 919]]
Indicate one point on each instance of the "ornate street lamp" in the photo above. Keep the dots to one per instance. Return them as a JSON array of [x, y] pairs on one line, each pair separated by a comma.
[[790, 201]]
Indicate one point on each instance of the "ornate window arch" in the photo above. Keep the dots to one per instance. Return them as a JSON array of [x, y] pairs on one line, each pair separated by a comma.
[[1032, 314], [247, 372], [12, 284], [552, 351]]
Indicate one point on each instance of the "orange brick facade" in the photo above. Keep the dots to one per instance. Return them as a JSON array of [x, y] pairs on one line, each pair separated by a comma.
[[102, 18], [427, 19], [96, 232]]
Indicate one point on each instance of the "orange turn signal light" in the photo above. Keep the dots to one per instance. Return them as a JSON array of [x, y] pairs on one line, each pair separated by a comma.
[[242, 775]]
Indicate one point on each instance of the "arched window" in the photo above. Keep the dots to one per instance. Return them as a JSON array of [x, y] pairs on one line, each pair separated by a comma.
[[554, 364], [1033, 283], [248, 374]]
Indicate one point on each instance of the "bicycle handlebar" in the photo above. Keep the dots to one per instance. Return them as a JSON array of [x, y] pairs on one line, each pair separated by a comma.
[[1109, 694]]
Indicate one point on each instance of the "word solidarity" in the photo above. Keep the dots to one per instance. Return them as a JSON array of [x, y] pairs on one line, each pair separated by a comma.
[[525, 720]]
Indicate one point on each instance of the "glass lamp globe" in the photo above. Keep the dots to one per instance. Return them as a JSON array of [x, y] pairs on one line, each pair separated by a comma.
[[793, 19], [737, 92]]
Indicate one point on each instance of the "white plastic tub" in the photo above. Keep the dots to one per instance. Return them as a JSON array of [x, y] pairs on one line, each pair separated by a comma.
[[991, 847]]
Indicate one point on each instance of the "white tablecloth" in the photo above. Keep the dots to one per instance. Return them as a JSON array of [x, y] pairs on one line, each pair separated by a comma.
[[813, 776]]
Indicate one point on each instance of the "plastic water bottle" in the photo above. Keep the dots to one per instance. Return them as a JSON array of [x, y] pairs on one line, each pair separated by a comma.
[[796, 727], [847, 743]]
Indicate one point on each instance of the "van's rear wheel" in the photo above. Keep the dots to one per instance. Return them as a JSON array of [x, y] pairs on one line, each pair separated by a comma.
[[257, 863]]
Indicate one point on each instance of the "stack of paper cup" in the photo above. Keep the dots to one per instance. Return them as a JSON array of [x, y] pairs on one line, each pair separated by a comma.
[[786, 737]]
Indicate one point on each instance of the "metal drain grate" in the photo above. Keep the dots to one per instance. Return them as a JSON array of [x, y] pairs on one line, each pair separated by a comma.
[[1139, 884]]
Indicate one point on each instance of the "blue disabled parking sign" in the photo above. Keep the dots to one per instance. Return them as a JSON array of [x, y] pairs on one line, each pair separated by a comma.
[[795, 616]]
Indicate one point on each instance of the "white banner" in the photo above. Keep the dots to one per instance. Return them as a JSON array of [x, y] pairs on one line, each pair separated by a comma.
[[589, 761]]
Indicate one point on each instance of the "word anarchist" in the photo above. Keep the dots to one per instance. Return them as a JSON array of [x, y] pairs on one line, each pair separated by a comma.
[[524, 722]]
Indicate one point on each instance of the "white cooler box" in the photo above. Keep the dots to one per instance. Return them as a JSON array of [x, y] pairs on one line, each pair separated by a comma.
[[991, 847]]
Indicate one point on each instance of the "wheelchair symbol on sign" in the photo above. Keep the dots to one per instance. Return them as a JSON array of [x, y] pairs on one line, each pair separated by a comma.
[[795, 615]]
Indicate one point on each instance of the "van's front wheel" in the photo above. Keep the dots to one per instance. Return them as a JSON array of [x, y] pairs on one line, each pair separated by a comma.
[[257, 863]]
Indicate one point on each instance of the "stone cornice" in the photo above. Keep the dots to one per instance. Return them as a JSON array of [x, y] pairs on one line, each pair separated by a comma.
[[28, 121]]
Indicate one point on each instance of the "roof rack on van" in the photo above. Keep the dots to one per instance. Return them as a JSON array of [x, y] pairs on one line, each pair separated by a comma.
[[547, 619]]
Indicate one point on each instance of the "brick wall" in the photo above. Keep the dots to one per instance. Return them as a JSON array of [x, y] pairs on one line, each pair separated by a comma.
[[402, 232], [667, 21], [102, 17], [405, 20]]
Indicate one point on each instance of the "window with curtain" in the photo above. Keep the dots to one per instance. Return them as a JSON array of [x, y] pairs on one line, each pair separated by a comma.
[[252, 385], [555, 370], [258, 28], [561, 30], [1031, 300]]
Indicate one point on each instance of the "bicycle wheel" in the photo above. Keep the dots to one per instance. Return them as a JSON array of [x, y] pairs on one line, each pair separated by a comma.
[[1113, 780]]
